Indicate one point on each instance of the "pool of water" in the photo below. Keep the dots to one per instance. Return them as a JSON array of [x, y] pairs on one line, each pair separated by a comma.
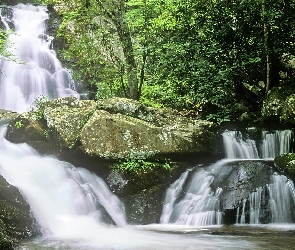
[[173, 237]]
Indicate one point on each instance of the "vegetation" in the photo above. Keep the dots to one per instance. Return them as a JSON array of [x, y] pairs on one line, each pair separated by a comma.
[[216, 58], [139, 165], [5, 54], [39, 106]]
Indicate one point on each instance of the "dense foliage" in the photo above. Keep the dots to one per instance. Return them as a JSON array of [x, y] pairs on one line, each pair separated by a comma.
[[216, 58]]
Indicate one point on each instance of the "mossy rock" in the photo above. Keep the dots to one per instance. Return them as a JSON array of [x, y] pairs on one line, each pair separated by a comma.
[[286, 163], [6, 243], [16, 221]]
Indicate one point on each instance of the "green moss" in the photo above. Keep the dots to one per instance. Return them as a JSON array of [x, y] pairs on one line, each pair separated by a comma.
[[143, 174], [286, 163], [6, 243]]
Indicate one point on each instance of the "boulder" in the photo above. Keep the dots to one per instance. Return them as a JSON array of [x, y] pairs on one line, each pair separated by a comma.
[[16, 221], [142, 187], [122, 128], [114, 128], [66, 118]]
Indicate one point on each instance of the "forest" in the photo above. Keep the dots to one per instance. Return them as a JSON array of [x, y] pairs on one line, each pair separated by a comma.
[[216, 59]]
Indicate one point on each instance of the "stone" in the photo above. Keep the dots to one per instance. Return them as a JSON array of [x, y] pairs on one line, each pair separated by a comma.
[[16, 221], [115, 128], [66, 118]]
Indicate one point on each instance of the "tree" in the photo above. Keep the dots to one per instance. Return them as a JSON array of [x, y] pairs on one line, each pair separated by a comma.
[[100, 27], [224, 53]]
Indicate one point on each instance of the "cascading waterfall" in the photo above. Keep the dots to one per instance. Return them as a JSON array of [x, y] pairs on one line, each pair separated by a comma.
[[190, 200], [194, 200], [276, 143], [236, 147], [38, 72], [42, 180]]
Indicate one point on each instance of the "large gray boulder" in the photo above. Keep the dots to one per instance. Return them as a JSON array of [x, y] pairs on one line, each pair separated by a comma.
[[123, 128], [114, 128]]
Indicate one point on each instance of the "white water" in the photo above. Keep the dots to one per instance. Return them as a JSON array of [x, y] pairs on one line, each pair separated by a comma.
[[272, 144], [193, 201], [40, 73], [276, 143], [236, 147], [58, 192], [65, 202]]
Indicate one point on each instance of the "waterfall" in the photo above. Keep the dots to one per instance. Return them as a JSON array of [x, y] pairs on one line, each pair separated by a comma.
[[196, 198], [237, 148], [276, 143], [59, 194], [37, 71], [191, 200], [271, 145]]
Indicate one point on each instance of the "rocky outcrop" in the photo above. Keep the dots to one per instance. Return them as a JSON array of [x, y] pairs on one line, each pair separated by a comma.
[[142, 189], [114, 128], [16, 221]]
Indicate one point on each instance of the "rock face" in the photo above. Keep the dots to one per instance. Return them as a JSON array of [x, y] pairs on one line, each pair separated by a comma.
[[16, 221], [114, 129]]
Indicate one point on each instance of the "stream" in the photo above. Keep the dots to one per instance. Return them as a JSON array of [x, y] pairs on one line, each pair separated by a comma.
[[69, 203]]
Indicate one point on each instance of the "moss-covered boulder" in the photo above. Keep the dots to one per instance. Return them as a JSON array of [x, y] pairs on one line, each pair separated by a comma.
[[114, 128], [123, 128], [16, 221], [65, 117], [286, 163]]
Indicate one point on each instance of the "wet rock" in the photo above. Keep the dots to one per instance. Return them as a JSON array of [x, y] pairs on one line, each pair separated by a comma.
[[16, 221], [244, 178]]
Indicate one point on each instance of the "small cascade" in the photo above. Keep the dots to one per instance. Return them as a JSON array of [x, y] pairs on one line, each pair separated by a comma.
[[281, 199], [38, 72], [192, 201], [272, 144], [201, 195], [276, 143], [236, 147], [60, 195], [274, 203]]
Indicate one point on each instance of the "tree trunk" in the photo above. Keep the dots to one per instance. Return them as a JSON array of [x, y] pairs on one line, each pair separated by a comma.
[[266, 46], [117, 15], [127, 46]]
